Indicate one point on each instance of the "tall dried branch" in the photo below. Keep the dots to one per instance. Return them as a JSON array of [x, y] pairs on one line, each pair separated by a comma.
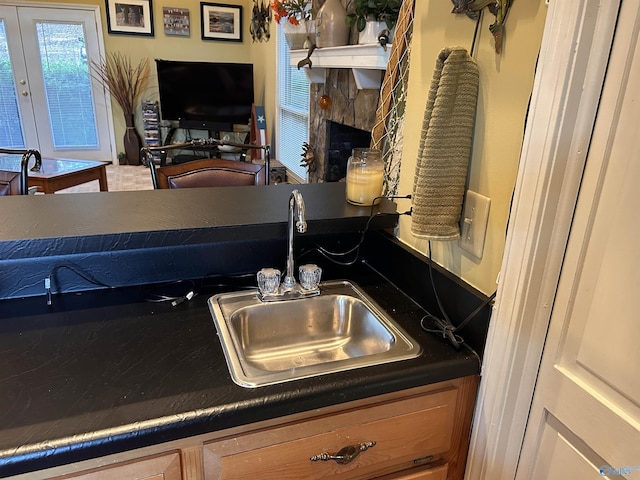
[[124, 81]]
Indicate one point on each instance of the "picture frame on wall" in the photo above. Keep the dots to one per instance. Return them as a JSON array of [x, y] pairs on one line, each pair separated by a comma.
[[176, 21], [130, 17], [221, 22]]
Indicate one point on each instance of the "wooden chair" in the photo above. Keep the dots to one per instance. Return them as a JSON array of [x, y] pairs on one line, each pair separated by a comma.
[[10, 183], [209, 172], [17, 183]]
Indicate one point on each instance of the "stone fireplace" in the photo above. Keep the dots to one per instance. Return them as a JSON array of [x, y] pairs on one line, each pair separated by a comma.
[[341, 140], [355, 109]]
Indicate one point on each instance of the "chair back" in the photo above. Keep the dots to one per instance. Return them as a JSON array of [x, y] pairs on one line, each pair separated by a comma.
[[209, 172], [8, 178], [9, 183]]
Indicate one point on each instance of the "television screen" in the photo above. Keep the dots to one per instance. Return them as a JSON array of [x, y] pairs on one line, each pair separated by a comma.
[[211, 96]]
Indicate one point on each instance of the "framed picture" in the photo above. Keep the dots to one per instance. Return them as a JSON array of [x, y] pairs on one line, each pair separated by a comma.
[[130, 17], [221, 22], [176, 21]]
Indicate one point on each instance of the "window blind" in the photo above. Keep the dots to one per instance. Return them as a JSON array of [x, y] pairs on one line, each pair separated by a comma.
[[65, 71], [10, 128], [293, 112]]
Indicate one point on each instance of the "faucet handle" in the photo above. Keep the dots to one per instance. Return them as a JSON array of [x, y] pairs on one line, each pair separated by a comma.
[[310, 275], [268, 281]]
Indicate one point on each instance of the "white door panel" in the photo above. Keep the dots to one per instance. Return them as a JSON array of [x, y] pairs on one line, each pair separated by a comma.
[[585, 414], [21, 93], [559, 458]]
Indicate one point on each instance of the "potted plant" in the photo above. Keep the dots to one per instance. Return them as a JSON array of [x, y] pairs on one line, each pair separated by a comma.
[[125, 82], [294, 16], [370, 17]]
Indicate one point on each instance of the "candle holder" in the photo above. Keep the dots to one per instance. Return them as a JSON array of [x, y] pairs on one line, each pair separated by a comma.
[[365, 172]]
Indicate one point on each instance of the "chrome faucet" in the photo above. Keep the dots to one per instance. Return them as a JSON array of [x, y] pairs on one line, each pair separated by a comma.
[[296, 204], [270, 288]]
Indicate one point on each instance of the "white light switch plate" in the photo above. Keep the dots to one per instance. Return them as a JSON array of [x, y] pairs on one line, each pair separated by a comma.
[[473, 224]]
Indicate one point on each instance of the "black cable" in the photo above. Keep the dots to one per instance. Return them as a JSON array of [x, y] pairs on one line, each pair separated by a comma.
[[85, 276], [444, 328], [473, 352], [163, 292], [151, 293], [463, 323], [225, 282], [475, 34], [56, 284], [433, 287], [197, 289], [444, 325], [328, 254]]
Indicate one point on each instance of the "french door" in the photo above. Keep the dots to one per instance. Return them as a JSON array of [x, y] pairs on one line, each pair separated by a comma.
[[585, 417], [48, 98]]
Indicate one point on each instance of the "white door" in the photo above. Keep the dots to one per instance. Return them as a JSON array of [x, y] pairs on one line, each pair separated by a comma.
[[49, 100], [585, 417]]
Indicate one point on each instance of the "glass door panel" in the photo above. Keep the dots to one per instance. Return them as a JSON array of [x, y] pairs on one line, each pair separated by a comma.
[[11, 135], [66, 78], [61, 110]]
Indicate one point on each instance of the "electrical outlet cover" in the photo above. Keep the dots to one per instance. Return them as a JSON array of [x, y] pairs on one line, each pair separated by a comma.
[[473, 224]]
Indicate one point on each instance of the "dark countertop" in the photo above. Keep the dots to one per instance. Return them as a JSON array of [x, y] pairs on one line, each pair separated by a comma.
[[162, 235], [105, 371], [61, 224]]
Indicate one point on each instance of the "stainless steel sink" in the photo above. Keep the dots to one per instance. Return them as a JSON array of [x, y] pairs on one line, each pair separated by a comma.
[[340, 329]]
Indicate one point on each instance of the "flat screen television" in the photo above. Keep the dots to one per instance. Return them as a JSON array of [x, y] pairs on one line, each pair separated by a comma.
[[205, 95]]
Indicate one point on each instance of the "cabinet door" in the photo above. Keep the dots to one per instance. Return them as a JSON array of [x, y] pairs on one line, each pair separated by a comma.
[[162, 467], [436, 473], [404, 431]]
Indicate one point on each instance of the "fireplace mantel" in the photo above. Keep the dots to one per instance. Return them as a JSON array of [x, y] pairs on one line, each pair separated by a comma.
[[367, 62]]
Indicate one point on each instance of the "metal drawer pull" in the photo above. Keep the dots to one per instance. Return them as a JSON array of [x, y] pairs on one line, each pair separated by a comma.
[[345, 455]]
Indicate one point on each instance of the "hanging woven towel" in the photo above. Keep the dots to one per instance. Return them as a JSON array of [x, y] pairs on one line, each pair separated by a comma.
[[445, 146]]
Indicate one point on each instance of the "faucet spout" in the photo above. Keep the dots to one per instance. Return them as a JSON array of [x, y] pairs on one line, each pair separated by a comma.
[[269, 287], [297, 212]]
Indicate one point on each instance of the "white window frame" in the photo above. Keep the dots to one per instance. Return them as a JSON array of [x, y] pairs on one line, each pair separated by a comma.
[[289, 135]]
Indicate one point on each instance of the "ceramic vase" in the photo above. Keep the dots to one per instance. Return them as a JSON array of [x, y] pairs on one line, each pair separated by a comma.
[[299, 36], [132, 141], [371, 31], [331, 28]]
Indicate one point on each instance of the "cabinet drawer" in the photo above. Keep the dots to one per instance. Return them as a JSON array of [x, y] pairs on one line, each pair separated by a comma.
[[161, 467], [435, 473], [403, 431]]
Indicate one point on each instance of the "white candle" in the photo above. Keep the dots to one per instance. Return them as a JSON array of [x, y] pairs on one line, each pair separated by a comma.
[[363, 186]]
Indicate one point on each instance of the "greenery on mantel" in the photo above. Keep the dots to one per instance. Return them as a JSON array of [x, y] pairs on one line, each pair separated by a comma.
[[379, 10]]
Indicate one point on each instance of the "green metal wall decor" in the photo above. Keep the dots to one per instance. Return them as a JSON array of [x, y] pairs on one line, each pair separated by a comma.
[[499, 8]]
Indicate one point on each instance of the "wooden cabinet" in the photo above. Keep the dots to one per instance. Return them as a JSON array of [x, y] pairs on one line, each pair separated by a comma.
[[430, 473], [417, 434], [392, 434], [160, 467]]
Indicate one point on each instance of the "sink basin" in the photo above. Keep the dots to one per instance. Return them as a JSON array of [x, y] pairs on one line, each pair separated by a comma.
[[273, 342]]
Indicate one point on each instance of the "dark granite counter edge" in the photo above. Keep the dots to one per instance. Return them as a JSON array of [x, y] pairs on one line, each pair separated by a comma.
[[164, 235], [107, 221], [143, 434]]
